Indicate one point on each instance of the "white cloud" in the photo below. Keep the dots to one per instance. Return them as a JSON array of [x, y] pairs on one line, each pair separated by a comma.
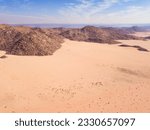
[[83, 11], [86, 8], [132, 14], [90, 11]]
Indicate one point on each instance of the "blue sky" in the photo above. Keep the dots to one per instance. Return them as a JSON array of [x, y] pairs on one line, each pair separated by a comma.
[[74, 11]]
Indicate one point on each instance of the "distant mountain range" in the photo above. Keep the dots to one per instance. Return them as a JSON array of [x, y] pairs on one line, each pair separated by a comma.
[[25, 40], [145, 26]]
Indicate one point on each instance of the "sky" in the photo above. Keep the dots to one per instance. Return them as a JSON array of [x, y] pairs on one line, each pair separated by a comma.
[[74, 11]]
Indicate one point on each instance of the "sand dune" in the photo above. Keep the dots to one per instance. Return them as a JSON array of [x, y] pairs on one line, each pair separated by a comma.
[[79, 77]]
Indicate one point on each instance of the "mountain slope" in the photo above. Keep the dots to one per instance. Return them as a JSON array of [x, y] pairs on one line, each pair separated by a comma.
[[28, 41]]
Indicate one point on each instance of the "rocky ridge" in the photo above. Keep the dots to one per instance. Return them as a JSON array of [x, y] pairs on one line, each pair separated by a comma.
[[20, 40]]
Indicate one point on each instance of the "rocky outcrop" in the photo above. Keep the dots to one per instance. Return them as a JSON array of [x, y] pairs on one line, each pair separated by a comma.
[[135, 46], [28, 41], [147, 38]]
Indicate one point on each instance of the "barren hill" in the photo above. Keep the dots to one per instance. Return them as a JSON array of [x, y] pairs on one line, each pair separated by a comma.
[[20, 40], [28, 41], [99, 35]]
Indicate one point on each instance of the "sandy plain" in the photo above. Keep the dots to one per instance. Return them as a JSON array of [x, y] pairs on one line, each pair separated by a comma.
[[79, 77]]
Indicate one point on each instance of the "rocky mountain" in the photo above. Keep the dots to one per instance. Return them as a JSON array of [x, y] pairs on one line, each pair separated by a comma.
[[99, 35], [20, 40], [28, 41], [135, 29]]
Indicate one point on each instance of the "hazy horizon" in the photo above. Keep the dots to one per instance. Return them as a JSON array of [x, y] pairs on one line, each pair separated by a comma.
[[108, 12], [55, 25]]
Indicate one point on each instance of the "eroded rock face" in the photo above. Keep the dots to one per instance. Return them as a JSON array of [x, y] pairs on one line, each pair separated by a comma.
[[28, 41]]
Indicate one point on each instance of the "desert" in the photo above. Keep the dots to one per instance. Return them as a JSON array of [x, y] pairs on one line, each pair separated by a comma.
[[79, 74]]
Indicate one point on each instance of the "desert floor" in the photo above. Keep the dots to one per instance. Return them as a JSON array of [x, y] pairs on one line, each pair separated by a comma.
[[142, 34], [79, 77]]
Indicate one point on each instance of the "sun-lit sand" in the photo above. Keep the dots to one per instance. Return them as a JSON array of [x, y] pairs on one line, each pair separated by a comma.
[[142, 34], [79, 77]]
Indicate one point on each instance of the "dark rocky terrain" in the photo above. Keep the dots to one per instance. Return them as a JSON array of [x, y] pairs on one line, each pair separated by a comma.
[[20, 40], [28, 41], [148, 38], [135, 46], [98, 35]]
